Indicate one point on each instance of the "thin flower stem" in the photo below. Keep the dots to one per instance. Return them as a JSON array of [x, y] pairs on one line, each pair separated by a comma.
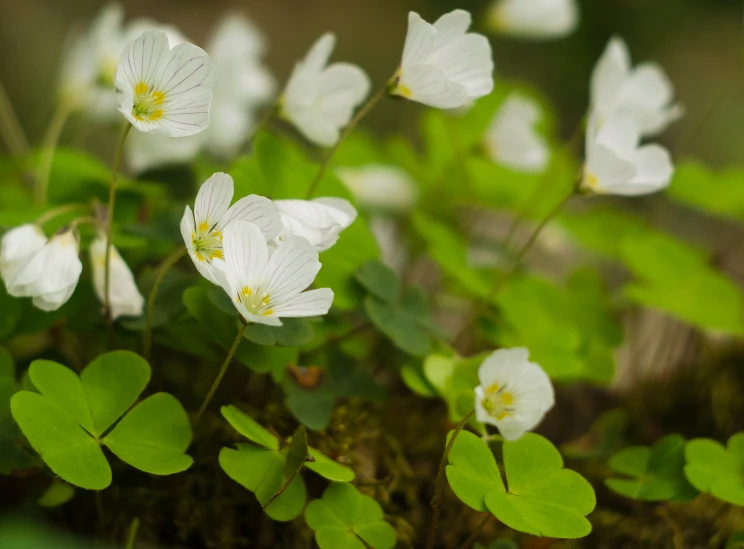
[[132, 534], [436, 501], [48, 147], [469, 542], [485, 303], [11, 129], [361, 113], [110, 221], [222, 371], [54, 212], [167, 264], [282, 488]]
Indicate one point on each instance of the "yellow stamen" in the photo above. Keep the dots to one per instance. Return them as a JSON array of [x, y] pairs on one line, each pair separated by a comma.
[[140, 89], [403, 90], [203, 226], [268, 312]]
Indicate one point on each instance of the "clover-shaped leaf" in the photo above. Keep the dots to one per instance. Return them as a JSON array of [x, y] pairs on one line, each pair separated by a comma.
[[541, 497], [405, 322], [262, 468], [716, 469], [343, 517], [71, 416], [379, 280], [657, 471]]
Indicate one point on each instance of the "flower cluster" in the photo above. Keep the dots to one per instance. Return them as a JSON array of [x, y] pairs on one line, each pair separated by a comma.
[[48, 269]]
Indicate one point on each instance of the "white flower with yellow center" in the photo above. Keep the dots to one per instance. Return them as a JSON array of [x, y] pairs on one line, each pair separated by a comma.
[[643, 93], [165, 90], [616, 163], [202, 230], [18, 247], [265, 287], [535, 19], [444, 65], [52, 273], [125, 298], [320, 221], [320, 98], [512, 138], [514, 394], [380, 187]]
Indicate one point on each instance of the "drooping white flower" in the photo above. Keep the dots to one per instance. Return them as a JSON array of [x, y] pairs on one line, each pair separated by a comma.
[[265, 287], [643, 93], [320, 221], [236, 47], [444, 65], [617, 164], [202, 230], [535, 19], [319, 98], [17, 248], [512, 138], [51, 275], [380, 187], [125, 298], [514, 394], [165, 90], [89, 65]]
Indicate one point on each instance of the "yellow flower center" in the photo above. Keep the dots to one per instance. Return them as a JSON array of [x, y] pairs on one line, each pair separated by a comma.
[[591, 181], [207, 243], [404, 90], [147, 103], [254, 302], [498, 401]]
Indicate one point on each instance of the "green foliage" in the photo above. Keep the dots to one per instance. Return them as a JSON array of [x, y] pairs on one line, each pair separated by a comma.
[[570, 331], [402, 315], [718, 193], [716, 469], [11, 454], [264, 467], [453, 378], [542, 497], [345, 518], [657, 473], [312, 407], [297, 452], [71, 416], [58, 493]]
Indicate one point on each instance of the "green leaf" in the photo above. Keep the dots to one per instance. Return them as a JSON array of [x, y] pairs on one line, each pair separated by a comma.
[[249, 428], [328, 468], [261, 471], [58, 493], [12, 309], [542, 498], [61, 442], [454, 378], [112, 383], [297, 452], [7, 364], [63, 387], [404, 323], [718, 193], [657, 471], [379, 280], [716, 469], [311, 407], [343, 517], [153, 436]]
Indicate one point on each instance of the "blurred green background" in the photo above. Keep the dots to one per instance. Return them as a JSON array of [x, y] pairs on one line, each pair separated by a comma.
[[699, 43]]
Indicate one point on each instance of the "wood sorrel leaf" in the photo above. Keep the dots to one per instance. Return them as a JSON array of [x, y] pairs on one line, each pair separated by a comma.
[[716, 469]]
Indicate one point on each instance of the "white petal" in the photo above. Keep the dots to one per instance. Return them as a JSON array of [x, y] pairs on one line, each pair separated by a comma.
[[605, 170], [188, 229], [343, 86], [429, 85], [236, 36], [125, 298], [379, 186], [259, 210], [647, 95], [451, 26], [654, 171], [18, 246], [291, 269], [312, 303], [54, 300], [535, 19], [501, 365], [468, 61], [419, 41], [512, 138], [147, 150], [213, 201], [610, 72], [319, 221], [246, 253], [140, 62]]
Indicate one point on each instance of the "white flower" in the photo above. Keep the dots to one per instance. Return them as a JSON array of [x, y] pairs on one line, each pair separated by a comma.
[[443, 65], [165, 90], [52, 273], [616, 164], [243, 84], [320, 221], [535, 19], [514, 394], [380, 187], [319, 98], [265, 287], [512, 139], [203, 229], [18, 247], [89, 65], [124, 296], [643, 93]]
